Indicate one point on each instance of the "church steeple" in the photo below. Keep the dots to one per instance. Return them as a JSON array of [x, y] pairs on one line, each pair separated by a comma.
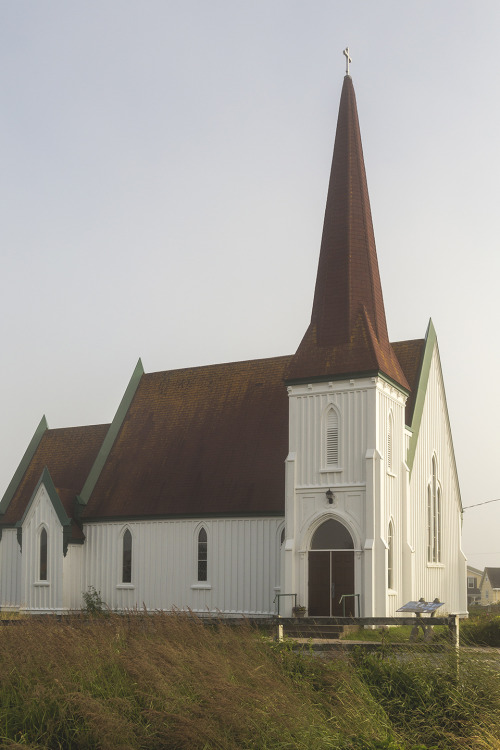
[[348, 332]]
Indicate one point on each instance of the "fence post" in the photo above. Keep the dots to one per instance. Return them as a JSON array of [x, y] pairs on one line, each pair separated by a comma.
[[454, 630]]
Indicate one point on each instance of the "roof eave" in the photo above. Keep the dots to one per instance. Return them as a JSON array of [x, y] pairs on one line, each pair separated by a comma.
[[23, 465]]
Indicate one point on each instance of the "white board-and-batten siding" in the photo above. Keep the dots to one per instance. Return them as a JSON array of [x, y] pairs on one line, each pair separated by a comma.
[[367, 495], [444, 579], [10, 570], [308, 408], [37, 595], [243, 565], [392, 507]]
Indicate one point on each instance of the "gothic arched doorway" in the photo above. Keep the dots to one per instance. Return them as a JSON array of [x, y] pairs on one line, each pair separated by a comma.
[[331, 571]]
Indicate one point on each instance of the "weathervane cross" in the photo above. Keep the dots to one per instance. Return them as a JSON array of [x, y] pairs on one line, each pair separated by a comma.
[[347, 60]]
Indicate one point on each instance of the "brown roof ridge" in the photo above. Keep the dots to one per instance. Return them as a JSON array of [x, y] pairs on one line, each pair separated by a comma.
[[420, 339], [100, 425], [215, 365]]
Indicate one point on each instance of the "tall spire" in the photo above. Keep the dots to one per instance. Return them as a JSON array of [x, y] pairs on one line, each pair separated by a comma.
[[348, 331]]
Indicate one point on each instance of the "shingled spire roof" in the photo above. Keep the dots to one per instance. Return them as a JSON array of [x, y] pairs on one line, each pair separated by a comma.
[[348, 332]]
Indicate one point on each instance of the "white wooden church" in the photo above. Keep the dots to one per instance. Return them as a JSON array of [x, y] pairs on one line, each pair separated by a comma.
[[328, 474]]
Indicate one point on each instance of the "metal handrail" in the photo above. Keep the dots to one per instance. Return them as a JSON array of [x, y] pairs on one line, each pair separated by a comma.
[[342, 601], [278, 597]]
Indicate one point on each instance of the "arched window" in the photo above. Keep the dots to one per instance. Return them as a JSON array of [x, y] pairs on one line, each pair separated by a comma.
[[332, 438], [127, 557], [282, 536], [389, 442], [390, 556], [332, 535], [43, 555], [434, 520], [202, 555]]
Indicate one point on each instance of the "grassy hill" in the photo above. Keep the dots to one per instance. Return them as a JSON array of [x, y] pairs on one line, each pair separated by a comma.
[[169, 681]]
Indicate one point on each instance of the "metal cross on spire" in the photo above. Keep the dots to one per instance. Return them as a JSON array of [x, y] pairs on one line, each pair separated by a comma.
[[347, 60]]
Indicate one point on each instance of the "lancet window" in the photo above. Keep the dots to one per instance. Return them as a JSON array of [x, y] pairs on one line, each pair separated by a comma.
[[202, 555], [127, 557], [434, 516], [43, 554]]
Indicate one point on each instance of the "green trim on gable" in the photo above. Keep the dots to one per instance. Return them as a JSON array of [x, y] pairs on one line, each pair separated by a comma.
[[49, 485], [423, 379], [111, 435], [54, 498], [23, 465]]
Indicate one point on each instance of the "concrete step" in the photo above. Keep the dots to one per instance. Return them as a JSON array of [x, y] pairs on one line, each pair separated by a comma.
[[303, 628]]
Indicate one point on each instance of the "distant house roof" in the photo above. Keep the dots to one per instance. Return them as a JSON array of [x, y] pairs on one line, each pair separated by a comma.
[[472, 571], [493, 577]]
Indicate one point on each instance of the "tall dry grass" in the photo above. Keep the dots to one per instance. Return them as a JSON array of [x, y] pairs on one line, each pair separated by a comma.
[[439, 699], [171, 681]]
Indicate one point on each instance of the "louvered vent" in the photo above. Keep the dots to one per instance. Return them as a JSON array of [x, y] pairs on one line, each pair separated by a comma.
[[389, 443], [332, 439]]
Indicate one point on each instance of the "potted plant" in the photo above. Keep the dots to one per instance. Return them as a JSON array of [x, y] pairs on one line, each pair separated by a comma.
[[299, 611]]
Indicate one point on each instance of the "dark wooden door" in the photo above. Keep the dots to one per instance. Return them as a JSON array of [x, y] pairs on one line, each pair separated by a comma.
[[319, 584], [343, 583], [331, 574]]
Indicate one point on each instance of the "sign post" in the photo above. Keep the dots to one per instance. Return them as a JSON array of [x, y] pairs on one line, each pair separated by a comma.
[[420, 608]]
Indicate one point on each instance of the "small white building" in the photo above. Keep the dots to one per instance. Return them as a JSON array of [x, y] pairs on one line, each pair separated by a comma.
[[328, 474]]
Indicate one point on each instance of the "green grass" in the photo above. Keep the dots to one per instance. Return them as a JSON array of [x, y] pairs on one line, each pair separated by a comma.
[[441, 700], [396, 634], [170, 681], [481, 630]]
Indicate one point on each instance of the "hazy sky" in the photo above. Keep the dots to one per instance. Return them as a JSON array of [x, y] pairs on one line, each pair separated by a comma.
[[164, 167]]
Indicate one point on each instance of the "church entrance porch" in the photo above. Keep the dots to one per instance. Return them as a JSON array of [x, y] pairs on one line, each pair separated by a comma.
[[331, 571]]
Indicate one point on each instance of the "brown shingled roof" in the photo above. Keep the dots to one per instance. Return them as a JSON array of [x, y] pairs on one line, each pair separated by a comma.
[[68, 453], [348, 331], [409, 354], [200, 441]]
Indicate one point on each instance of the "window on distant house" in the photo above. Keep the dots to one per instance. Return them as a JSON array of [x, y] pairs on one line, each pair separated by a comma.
[[434, 516], [43, 555], [282, 536], [202, 555], [332, 438], [127, 557], [471, 582], [390, 556]]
